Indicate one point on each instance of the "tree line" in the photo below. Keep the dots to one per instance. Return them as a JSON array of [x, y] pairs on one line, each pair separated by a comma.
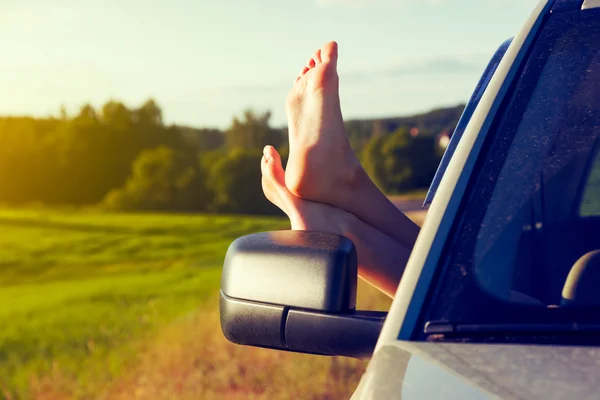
[[127, 158]]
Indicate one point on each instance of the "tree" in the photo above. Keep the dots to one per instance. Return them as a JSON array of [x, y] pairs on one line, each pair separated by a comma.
[[235, 180], [148, 113], [396, 154], [202, 139], [400, 162], [372, 162], [161, 179], [81, 148], [252, 132], [26, 159], [424, 160], [116, 114]]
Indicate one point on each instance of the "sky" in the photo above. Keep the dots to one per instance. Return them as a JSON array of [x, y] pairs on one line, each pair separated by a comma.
[[205, 61]]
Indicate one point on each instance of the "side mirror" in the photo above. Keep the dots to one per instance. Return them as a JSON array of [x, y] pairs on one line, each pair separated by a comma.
[[296, 291]]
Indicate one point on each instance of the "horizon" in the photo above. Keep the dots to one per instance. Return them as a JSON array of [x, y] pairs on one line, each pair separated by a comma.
[[206, 62], [223, 129]]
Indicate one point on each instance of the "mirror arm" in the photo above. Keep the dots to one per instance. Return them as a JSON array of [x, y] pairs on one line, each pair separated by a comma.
[[351, 334]]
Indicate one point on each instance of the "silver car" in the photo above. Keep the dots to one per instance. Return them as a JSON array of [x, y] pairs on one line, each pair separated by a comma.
[[501, 295]]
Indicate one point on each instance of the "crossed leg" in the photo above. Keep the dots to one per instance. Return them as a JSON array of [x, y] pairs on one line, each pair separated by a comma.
[[381, 258]]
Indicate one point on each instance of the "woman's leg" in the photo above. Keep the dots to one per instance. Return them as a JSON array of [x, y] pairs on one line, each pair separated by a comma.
[[381, 259]]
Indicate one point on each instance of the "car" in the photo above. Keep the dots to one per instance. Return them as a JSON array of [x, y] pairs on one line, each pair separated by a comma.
[[501, 295]]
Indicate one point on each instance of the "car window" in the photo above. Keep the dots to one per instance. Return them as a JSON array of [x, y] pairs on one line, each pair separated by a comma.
[[532, 208]]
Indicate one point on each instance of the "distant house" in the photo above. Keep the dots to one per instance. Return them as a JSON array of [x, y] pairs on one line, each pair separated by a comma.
[[442, 139]]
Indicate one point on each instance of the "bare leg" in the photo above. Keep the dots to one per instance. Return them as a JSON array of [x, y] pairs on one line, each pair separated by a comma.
[[381, 259], [322, 166]]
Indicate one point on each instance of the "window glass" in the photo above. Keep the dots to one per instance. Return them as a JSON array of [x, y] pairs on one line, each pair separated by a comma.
[[533, 206]]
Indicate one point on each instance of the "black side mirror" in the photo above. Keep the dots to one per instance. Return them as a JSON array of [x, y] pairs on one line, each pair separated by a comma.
[[296, 291]]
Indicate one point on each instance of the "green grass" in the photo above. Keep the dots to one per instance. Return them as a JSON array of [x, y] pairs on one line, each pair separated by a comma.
[[122, 306], [81, 291], [46, 245]]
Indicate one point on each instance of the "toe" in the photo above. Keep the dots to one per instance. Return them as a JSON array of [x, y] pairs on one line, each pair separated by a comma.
[[268, 151], [273, 165], [266, 166], [267, 157], [329, 52], [269, 183], [271, 155], [302, 73], [263, 166], [317, 56], [270, 190]]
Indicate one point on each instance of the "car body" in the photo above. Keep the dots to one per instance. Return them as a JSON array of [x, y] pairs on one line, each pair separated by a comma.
[[499, 298]]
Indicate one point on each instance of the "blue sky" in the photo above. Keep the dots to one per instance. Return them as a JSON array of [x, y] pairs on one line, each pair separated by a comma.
[[207, 60]]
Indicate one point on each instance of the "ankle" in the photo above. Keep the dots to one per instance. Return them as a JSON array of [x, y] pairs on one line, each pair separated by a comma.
[[353, 177]]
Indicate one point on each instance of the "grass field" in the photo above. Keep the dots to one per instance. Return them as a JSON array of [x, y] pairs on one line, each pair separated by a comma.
[[121, 306]]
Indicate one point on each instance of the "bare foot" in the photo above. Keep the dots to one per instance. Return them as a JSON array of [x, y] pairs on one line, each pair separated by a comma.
[[303, 214], [322, 166], [321, 160]]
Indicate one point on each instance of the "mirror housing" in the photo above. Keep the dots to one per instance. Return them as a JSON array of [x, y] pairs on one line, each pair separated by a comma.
[[296, 291]]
